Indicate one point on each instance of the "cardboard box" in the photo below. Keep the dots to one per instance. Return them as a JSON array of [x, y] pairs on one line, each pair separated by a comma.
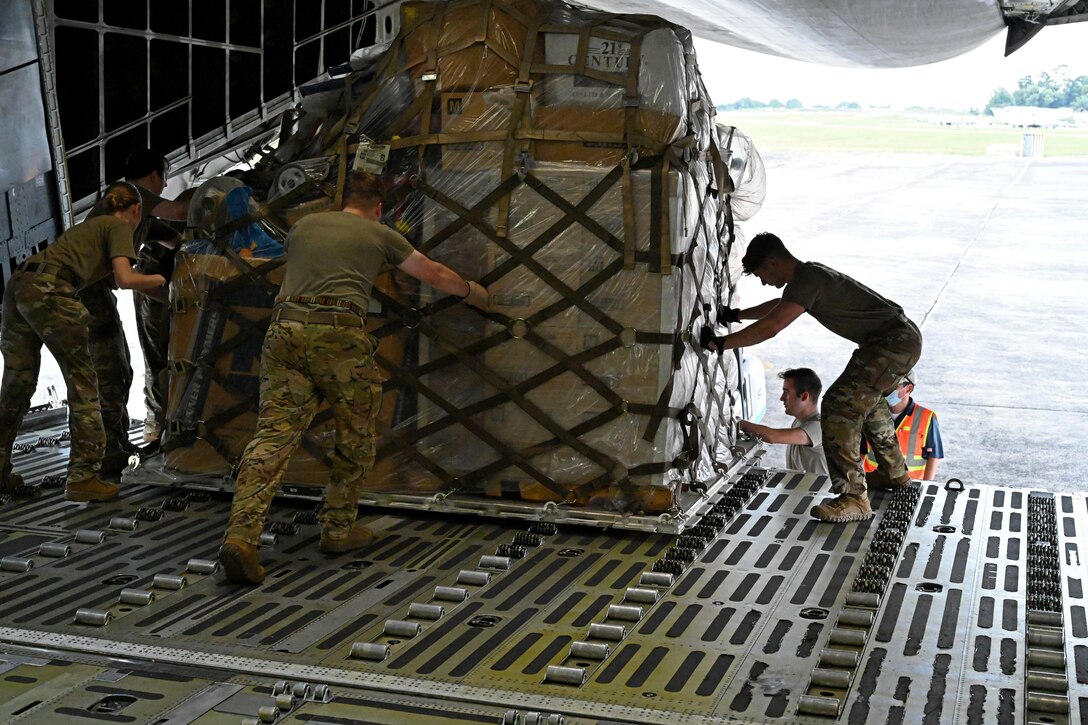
[[636, 373], [476, 45], [593, 135], [476, 112], [607, 65], [450, 422], [603, 55], [295, 212]]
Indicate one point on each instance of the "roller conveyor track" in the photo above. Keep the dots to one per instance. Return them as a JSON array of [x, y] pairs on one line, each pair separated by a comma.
[[115, 612]]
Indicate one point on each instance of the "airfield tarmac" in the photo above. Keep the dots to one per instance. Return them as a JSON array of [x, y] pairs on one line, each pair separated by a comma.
[[988, 254]]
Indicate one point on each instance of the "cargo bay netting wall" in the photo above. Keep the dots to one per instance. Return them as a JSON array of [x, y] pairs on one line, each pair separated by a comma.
[[568, 160]]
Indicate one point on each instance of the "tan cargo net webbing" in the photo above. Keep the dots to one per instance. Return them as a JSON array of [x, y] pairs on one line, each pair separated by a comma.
[[411, 131]]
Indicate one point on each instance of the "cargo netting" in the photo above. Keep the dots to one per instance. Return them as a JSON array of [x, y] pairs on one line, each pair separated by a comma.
[[569, 160]]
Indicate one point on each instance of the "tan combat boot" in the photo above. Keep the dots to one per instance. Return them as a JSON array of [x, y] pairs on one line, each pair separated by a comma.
[[844, 507], [357, 538], [90, 489], [239, 560]]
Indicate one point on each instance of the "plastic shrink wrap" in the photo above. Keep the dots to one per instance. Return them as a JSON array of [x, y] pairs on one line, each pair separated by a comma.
[[568, 160]]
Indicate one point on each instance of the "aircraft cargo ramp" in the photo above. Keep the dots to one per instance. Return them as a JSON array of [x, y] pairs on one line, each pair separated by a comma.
[[962, 606]]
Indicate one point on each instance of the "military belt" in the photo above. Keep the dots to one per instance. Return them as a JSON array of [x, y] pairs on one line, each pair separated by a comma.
[[62, 273], [326, 301], [318, 317]]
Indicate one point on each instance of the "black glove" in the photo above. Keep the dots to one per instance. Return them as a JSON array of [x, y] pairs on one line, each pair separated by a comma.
[[708, 341], [728, 314], [155, 258]]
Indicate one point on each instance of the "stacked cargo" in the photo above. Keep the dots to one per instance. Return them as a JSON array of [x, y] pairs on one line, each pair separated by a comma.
[[222, 306], [222, 297], [569, 161]]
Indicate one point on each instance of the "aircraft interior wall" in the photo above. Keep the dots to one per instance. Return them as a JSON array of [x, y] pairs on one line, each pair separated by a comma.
[[29, 208]]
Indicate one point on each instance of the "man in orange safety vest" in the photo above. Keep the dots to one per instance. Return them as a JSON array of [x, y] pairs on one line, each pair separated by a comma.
[[918, 432]]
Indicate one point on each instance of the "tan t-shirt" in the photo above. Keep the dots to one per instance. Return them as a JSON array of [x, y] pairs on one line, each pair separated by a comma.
[[841, 304], [149, 228], [87, 249], [809, 459], [338, 254]]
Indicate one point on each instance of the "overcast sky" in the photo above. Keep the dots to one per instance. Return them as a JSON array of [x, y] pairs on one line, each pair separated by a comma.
[[961, 83]]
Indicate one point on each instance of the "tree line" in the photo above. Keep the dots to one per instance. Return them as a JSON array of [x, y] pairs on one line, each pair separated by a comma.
[[1049, 91], [792, 104]]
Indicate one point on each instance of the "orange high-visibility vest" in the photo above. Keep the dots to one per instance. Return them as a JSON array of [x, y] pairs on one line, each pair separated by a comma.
[[912, 432]]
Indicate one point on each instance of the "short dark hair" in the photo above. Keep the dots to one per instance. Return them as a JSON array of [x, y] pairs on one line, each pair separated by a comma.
[[142, 162], [805, 380], [763, 246], [363, 190]]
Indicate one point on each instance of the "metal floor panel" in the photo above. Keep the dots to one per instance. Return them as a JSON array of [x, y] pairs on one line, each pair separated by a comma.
[[431, 623], [688, 505]]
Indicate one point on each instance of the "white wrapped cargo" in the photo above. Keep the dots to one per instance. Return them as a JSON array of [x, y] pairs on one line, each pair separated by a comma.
[[569, 161]]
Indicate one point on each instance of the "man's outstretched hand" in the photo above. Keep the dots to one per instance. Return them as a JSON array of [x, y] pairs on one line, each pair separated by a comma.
[[728, 314]]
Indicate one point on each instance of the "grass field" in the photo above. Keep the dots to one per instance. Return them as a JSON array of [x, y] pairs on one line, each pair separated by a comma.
[[889, 132]]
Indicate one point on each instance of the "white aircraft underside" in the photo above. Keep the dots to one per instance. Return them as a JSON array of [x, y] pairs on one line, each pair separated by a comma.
[[865, 33]]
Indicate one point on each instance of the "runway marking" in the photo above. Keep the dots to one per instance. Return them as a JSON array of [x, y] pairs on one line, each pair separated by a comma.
[[970, 244]]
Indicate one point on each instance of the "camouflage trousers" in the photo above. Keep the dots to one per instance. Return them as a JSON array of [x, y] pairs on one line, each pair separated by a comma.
[[855, 404], [112, 364], [39, 308], [303, 365]]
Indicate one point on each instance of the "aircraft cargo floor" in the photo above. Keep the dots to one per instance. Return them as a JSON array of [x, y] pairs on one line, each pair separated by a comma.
[[962, 606]]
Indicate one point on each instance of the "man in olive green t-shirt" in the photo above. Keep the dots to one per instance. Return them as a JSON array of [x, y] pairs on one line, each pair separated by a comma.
[[889, 345], [317, 349]]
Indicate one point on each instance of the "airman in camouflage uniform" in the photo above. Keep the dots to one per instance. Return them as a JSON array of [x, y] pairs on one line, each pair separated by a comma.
[[301, 366], [874, 370], [41, 306], [889, 345], [316, 349]]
